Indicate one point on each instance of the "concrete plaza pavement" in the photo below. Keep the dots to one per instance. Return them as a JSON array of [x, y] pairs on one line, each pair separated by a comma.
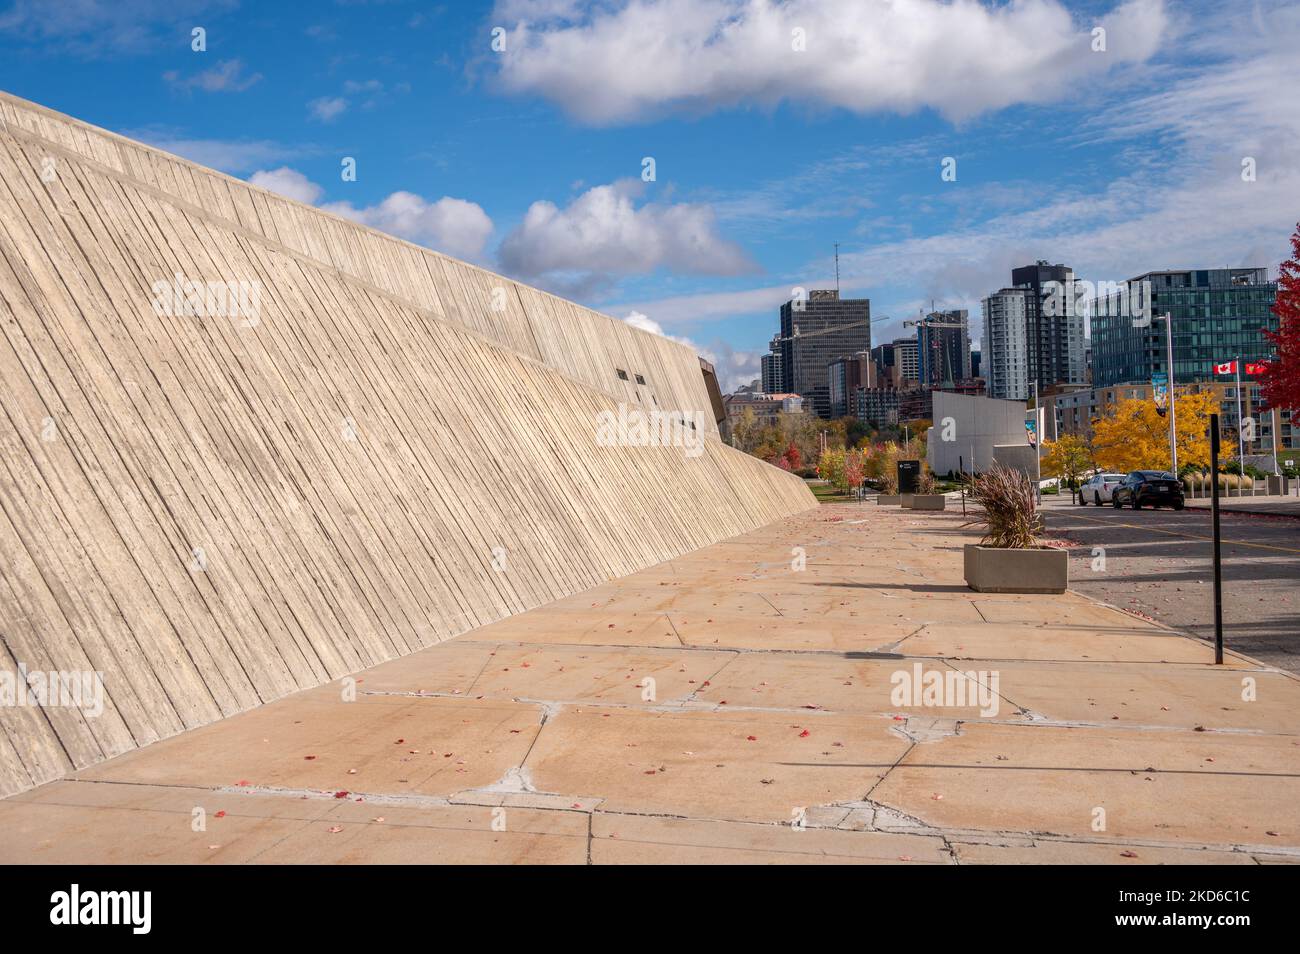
[[733, 705]]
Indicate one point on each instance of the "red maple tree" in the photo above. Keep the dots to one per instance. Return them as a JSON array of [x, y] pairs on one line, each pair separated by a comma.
[[793, 456], [1280, 381]]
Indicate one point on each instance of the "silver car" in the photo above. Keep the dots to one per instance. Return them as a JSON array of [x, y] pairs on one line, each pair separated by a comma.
[[1099, 488]]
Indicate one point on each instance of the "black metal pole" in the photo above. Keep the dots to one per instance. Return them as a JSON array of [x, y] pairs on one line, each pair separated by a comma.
[[961, 473], [1218, 560]]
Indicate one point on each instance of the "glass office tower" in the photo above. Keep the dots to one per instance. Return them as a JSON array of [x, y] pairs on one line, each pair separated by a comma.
[[1218, 315]]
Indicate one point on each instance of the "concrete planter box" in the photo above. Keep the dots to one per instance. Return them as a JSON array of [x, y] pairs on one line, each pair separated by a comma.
[[1036, 570], [929, 502], [905, 501], [888, 500]]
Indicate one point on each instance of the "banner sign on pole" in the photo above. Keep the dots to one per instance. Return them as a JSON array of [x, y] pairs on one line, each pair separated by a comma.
[[1160, 390], [1032, 429]]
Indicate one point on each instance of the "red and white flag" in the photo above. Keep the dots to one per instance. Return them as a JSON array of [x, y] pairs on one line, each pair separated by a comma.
[[1256, 367], [1227, 368]]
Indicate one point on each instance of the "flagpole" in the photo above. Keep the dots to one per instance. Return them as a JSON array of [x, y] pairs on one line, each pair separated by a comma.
[[1241, 445]]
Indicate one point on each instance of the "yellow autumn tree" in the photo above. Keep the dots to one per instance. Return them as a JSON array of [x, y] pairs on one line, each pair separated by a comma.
[[1135, 436], [1068, 458]]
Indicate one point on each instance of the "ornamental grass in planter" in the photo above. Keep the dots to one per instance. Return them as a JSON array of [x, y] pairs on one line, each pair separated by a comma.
[[1010, 559], [885, 465], [927, 496]]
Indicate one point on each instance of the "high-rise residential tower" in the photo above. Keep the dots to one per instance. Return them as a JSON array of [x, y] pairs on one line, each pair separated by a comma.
[[943, 348], [1005, 346], [772, 373], [1054, 347]]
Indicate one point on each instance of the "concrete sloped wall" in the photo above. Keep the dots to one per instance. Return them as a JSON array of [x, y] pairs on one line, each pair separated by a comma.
[[574, 340], [216, 511]]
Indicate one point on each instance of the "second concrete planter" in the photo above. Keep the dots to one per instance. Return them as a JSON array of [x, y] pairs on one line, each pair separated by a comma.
[[888, 500], [1000, 570], [929, 502]]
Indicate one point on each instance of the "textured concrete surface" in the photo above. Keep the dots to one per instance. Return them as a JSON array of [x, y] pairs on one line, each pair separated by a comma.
[[735, 705]]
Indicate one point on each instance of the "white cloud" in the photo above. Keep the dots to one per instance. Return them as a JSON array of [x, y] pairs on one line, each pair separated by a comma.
[[370, 93], [680, 309], [635, 59], [732, 367], [289, 183], [227, 76], [327, 108], [228, 155], [94, 28], [1179, 200], [645, 323], [454, 226], [603, 232]]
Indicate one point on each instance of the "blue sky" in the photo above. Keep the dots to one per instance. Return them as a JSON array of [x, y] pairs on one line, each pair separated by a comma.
[[776, 130]]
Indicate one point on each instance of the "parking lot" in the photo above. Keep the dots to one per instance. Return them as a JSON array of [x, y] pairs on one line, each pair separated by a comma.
[[1157, 563]]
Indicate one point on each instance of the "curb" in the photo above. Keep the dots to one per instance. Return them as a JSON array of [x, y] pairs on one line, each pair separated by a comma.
[[1260, 513]]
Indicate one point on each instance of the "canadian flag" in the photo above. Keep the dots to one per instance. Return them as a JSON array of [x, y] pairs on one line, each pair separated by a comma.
[[1228, 368]]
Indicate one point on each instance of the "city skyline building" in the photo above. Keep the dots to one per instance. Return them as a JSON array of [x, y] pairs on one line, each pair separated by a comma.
[[814, 332], [1217, 315], [846, 376], [1005, 345], [772, 373], [1054, 327], [943, 348]]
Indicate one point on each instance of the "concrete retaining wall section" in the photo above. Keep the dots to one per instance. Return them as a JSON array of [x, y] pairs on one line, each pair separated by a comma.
[[328, 452]]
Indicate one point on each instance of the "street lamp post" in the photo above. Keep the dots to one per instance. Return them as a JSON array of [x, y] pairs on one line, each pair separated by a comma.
[[1169, 375], [1038, 447], [1241, 442]]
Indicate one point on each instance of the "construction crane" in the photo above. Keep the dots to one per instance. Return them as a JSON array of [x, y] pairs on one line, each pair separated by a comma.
[[830, 331], [936, 345]]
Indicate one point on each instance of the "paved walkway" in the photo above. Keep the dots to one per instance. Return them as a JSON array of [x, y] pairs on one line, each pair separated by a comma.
[[726, 707]]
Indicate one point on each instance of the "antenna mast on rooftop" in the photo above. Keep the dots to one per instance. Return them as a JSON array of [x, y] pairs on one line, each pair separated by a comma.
[[837, 268]]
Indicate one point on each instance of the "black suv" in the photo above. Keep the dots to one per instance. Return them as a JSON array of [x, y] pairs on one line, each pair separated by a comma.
[[1159, 488]]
